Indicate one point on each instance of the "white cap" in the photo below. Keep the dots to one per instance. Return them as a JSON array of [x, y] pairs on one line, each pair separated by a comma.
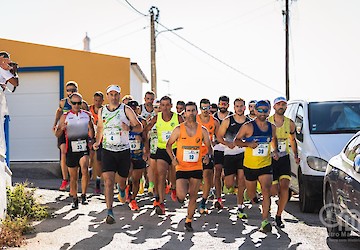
[[113, 88], [280, 99]]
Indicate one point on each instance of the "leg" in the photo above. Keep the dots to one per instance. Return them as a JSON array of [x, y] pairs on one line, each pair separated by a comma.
[[136, 176], [194, 185], [217, 179], [74, 173], [208, 177], [265, 181], [109, 180], [162, 168], [284, 195], [241, 186], [182, 186], [84, 163], [229, 181]]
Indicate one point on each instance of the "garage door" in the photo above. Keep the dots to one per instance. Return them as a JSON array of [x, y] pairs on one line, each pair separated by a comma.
[[32, 112]]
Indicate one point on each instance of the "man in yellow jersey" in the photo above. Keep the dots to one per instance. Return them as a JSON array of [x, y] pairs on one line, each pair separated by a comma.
[[234, 155], [212, 124], [256, 136], [285, 133], [165, 121], [188, 161]]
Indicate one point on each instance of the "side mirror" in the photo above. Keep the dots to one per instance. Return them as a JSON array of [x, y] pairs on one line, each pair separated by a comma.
[[357, 163]]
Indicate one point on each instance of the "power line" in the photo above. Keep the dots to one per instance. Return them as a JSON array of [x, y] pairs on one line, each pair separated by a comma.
[[133, 7]]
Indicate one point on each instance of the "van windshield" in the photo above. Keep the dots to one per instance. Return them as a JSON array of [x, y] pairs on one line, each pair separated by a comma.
[[334, 117]]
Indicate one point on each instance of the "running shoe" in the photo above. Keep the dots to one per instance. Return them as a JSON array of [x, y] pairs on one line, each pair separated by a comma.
[[64, 185], [241, 214], [127, 194], [141, 186], [228, 190], [160, 210], [110, 219], [121, 198], [202, 209], [188, 227], [83, 199], [151, 191], [173, 195], [156, 203], [265, 226], [218, 204], [75, 204], [167, 189], [134, 206], [278, 222]]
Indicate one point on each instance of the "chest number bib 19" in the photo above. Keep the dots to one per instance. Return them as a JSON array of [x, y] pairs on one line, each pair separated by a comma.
[[261, 150], [78, 146], [191, 155]]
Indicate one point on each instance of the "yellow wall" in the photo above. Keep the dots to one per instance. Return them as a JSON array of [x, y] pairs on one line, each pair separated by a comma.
[[92, 71]]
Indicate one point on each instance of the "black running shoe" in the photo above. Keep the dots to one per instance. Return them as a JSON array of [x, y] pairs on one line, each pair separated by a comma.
[[278, 222], [75, 204], [83, 199], [188, 227], [110, 219]]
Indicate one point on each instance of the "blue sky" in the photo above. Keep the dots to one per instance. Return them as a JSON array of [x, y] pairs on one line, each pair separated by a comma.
[[246, 35]]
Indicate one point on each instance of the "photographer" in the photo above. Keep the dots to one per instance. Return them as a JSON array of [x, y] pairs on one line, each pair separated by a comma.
[[8, 74]]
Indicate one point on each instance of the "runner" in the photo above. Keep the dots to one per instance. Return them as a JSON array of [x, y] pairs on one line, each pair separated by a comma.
[[214, 108], [219, 150], [258, 134], [285, 133], [95, 156], [212, 125], [189, 137], [65, 106], [147, 109], [77, 126], [251, 114], [113, 128], [165, 121], [234, 155], [180, 107], [138, 164]]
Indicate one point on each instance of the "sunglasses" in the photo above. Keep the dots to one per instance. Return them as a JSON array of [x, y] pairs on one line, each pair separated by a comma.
[[156, 107], [71, 90], [205, 108], [76, 103], [262, 110]]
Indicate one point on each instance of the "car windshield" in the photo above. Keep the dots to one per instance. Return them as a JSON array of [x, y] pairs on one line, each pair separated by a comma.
[[334, 117]]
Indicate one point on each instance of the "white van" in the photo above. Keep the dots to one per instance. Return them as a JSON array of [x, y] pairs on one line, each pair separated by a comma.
[[322, 130]]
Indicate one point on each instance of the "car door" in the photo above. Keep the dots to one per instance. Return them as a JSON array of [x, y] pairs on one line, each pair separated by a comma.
[[351, 187], [299, 128]]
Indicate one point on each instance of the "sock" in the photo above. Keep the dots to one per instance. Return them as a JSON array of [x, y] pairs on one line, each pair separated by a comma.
[[110, 212], [121, 192], [241, 206], [187, 220], [151, 184], [157, 198]]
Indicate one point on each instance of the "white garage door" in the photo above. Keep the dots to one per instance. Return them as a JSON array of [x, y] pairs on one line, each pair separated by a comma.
[[32, 112]]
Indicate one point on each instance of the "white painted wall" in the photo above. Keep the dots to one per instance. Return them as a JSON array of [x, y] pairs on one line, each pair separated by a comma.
[[32, 112], [136, 87]]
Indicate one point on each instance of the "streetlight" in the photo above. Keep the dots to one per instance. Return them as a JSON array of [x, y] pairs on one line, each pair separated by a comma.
[[153, 18]]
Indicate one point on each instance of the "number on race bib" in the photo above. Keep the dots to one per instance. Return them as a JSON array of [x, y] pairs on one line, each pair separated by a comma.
[[191, 155], [78, 146], [261, 150]]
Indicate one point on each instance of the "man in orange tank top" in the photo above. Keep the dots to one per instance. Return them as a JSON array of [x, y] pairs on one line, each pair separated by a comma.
[[188, 160]]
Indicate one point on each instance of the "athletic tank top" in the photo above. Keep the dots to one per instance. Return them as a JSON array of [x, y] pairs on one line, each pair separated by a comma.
[[136, 144], [67, 106], [95, 115], [145, 114], [211, 128], [282, 134], [114, 137], [188, 150], [230, 135], [76, 132], [164, 129], [260, 156]]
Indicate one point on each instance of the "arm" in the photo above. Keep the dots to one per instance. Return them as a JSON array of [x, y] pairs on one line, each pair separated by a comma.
[[58, 113], [293, 142], [207, 142], [91, 127], [274, 143], [221, 133], [135, 124], [245, 131], [173, 138], [146, 135], [62, 126], [99, 131]]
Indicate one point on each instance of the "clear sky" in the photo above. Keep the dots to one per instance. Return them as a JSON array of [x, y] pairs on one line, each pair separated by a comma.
[[246, 35]]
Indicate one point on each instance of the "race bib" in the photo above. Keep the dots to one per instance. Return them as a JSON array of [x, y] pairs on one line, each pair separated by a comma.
[[112, 138], [166, 135], [191, 155], [282, 146], [135, 144], [78, 146], [261, 150]]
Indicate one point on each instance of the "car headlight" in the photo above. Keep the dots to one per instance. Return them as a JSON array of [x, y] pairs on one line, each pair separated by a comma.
[[316, 163]]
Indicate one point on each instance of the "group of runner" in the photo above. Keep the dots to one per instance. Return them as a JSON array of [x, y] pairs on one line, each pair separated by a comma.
[[176, 152]]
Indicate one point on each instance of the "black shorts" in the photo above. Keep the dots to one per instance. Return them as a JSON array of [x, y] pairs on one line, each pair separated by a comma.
[[61, 140], [218, 157], [281, 169], [116, 162], [209, 166], [253, 174], [153, 156], [161, 154], [196, 174], [138, 164], [233, 163], [73, 159], [98, 152]]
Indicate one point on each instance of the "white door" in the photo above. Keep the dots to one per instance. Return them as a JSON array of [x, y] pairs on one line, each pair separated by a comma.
[[32, 112]]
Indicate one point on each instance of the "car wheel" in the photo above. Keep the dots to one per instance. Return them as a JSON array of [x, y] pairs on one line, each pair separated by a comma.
[[306, 204], [334, 230]]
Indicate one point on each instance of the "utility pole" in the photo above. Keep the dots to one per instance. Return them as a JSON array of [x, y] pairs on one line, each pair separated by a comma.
[[153, 18], [286, 14]]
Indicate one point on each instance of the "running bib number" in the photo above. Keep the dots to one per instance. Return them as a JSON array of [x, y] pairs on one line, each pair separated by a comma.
[[78, 146], [166, 135], [191, 155], [282, 146], [261, 150], [135, 144], [112, 138]]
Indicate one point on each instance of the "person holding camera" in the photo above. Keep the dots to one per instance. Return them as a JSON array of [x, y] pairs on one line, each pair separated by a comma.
[[8, 74]]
